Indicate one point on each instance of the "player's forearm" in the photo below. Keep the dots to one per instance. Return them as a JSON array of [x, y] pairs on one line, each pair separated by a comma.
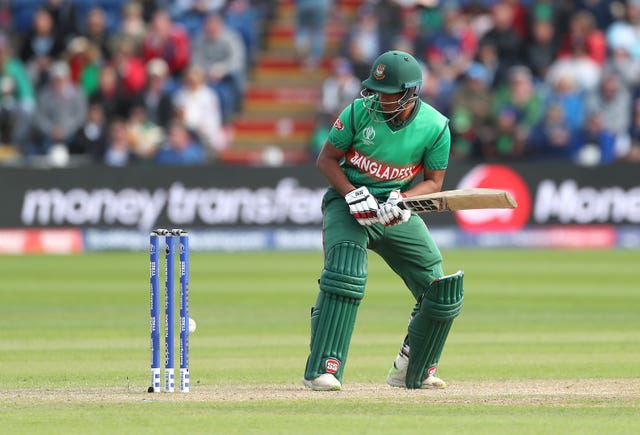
[[423, 188], [432, 183], [330, 168]]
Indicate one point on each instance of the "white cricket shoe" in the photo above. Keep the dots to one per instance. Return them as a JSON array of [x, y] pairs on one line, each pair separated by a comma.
[[434, 383], [324, 382], [398, 374]]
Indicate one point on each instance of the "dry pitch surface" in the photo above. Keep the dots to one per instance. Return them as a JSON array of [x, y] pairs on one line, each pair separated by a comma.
[[523, 392]]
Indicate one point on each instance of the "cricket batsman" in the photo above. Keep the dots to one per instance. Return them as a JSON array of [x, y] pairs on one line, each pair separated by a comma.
[[376, 150]]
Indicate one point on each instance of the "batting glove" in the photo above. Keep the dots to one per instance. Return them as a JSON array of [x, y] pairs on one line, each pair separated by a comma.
[[390, 214], [363, 206]]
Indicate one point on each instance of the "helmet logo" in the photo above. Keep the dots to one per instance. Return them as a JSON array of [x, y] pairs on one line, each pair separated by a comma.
[[379, 72]]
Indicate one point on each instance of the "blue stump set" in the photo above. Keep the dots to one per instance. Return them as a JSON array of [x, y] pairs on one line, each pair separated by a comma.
[[169, 309]]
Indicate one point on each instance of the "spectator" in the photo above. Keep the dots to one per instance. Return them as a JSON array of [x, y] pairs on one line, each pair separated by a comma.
[[118, 152], [508, 139], [180, 148], [582, 27], [85, 61], [596, 145], [449, 52], [61, 110], [517, 108], [111, 94], [91, 140], [390, 18], [17, 98], [41, 47], [421, 21], [198, 108], [192, 13], [560, 11], [130, 67], [565, 93], [96, 31], [144, 136], [471, 120], [5, 15], [156, 98], [487, 56], [520, 17], [364, 41], [266, 12], [131, 26], [338, 90], [508, 44], [310, 23], [244, 17], [599, 10], [613, 102], [436, 91], [219, 51], [167, 41], [578, 65], [623, 43], [553, 137], [543, 48], [64, 14], [150, 7], [624, 33]]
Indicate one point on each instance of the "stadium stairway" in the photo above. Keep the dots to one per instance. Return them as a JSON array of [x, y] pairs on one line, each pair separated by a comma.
[[279, 109]]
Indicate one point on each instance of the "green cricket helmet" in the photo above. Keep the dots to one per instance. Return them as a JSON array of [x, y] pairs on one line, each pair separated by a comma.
[[392, 72]]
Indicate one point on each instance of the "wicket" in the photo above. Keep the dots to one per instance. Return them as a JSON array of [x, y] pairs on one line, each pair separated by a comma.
[[169, 322]]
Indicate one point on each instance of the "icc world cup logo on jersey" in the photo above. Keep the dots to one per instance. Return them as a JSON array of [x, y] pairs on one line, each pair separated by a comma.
[[368, 134]]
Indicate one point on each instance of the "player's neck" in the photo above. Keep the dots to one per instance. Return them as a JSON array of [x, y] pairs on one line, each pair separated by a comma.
[[399, 120], [406, 113]]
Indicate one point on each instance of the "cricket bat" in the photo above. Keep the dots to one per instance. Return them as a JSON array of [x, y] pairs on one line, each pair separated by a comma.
[[460, 199]]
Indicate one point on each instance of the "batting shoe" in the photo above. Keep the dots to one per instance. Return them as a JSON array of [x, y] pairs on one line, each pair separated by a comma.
[[434, 383], [324, 382], [398, 374]]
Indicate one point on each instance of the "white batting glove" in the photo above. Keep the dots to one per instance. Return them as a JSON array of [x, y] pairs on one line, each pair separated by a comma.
[[363, 206], [390, 214]]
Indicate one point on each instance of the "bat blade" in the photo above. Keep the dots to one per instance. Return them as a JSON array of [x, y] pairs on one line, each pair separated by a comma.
[[460, 199]]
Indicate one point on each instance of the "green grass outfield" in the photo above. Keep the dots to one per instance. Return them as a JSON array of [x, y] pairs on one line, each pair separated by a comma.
[[547, 342]]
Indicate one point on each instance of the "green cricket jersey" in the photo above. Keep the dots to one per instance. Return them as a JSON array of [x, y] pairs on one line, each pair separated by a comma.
[[382, 158]]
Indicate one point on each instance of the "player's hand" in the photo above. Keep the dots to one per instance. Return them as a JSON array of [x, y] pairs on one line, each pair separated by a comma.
[[390, 214], [363, 206]]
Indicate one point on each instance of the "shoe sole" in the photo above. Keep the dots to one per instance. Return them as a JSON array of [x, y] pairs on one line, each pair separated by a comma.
[[395, 384], [433, 387], [399, 384], [309, 384]]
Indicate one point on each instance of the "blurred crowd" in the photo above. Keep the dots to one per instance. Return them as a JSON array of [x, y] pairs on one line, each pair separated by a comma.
[[528, 79], [116, 81]]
